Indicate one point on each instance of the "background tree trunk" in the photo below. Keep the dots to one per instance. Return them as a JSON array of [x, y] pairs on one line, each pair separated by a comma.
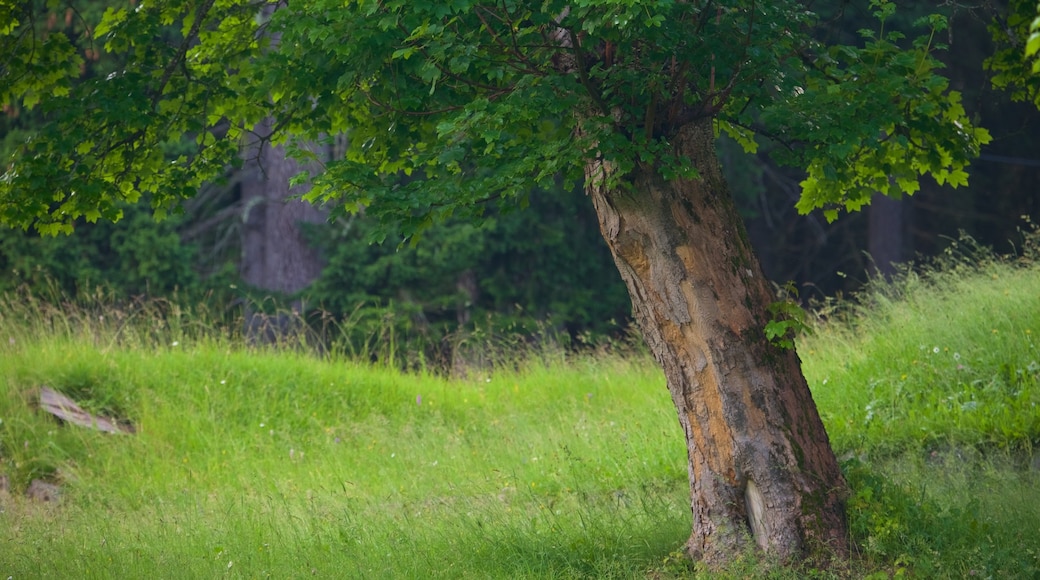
[[760, 463], [885, 234], [275, 254]]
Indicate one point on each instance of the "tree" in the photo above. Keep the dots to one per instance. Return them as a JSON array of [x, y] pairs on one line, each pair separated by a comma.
[[477, 102], [276, 256]]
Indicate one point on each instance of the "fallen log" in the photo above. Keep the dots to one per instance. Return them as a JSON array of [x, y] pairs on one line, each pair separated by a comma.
[[67, 410]]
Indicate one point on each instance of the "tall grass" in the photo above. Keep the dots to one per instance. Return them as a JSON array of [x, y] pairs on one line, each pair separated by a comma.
[[272, 462], [930, 391], [945, 358], [255, 461]]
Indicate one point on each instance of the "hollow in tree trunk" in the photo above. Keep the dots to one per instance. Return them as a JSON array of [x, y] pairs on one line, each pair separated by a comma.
[[760, 464]]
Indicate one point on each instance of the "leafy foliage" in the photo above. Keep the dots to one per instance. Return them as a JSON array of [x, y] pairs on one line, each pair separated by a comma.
[[139, 257], [478, 101], [921, 128], [788, 319], [1033, 43], [546, 265], [1017, 40], [542, 269]]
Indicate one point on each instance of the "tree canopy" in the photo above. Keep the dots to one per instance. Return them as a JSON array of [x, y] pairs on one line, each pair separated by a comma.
[[466, 97]]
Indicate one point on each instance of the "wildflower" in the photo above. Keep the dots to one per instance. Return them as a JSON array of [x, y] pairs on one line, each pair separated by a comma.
[[175, 343], [935, 350], [956, 356], [418, 399]]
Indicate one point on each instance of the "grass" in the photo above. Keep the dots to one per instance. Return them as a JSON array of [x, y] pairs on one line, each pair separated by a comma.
[[253, 462]]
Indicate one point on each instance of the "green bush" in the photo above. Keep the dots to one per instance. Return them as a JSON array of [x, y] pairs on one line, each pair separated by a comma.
[[136, 256], [541, 270]]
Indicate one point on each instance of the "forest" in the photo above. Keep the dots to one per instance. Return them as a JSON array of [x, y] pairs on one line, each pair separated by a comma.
[[542, 268], [370, 221]]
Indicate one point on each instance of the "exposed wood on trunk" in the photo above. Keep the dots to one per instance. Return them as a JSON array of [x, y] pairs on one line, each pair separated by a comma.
[[67, 410], [760, 463]]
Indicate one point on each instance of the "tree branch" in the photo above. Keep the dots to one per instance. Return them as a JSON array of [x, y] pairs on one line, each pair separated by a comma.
[[200, 15]]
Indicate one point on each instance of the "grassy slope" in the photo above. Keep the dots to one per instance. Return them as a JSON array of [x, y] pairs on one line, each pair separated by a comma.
[[953, 360], [931, 392], [280, 464], [253, 464]]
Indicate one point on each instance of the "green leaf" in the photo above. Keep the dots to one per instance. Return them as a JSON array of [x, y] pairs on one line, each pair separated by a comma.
[[1033, 44], [744, 137], [9, 27], [403, 53]]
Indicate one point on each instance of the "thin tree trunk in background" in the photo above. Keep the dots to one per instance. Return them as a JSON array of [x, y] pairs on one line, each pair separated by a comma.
[[760, 463], [885, 234]]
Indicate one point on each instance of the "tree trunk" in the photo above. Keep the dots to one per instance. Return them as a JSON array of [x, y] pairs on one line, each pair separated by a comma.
[[885, 234], [760, 464], [275, 254]]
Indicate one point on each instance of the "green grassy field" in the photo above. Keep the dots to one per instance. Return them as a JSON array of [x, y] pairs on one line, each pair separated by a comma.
[[273, 463]]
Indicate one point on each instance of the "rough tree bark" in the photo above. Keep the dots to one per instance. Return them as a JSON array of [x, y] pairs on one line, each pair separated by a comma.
[[760, 463], [275, 255]]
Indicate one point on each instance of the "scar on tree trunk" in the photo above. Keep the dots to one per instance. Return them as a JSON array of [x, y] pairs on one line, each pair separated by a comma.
[[760, 464]]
